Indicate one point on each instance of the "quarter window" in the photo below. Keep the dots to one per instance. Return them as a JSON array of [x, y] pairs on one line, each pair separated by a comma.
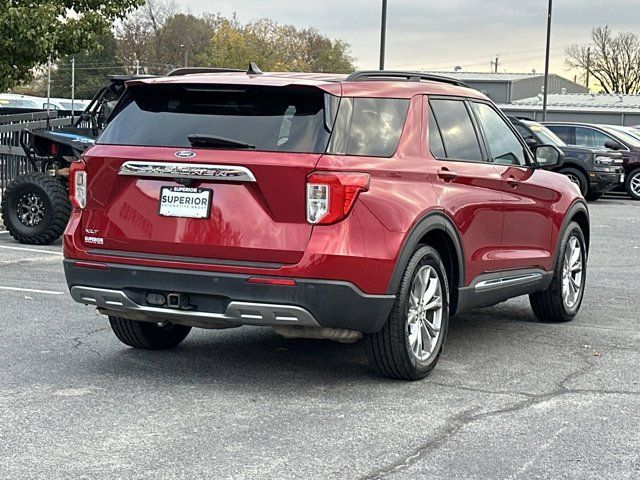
[[504, 146], [459, 138]]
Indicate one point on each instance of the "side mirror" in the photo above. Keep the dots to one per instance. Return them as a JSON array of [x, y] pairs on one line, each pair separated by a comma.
[[548, 156], [612, 144]]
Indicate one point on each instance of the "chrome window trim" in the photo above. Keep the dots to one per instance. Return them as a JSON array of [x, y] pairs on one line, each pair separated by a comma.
[[193, 171]]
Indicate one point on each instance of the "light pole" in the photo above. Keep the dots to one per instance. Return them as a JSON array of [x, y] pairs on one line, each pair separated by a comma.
[[383, 33], [546, 64]]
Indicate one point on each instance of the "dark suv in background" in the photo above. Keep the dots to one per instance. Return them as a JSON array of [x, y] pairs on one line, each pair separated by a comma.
[[605, 136], [594, 170]]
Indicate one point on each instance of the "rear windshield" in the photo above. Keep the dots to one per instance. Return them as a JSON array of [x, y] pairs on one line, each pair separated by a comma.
[[285, 119]]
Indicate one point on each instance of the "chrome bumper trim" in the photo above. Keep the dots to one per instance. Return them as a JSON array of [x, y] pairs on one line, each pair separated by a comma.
[[237, 313]]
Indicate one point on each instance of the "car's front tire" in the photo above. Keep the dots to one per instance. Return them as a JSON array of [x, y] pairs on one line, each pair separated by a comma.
[[148, 336], [561, 301], [410, 343], [632, 184]]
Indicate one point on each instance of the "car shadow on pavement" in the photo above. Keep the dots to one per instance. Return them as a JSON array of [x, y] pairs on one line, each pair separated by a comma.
[[255, 356]]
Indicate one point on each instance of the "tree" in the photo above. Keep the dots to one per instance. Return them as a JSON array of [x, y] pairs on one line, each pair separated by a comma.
[[92, 70], [614, 61], [183, 37], [139, 36], [274, 47], [31, 31]]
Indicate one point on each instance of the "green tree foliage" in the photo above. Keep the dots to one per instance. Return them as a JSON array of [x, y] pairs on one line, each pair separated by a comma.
[[275, 47], [613, 60], [30, 31], [92, 70]]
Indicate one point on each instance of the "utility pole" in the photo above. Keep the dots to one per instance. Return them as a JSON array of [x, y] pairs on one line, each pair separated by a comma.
[[588, 65], [48, 88], [546, 64], [383, 33], [73, 89]]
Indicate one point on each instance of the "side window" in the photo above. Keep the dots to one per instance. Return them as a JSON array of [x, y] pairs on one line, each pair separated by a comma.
[[591, 138], [458, 135], [503, 144], [584, 137], [436, 146], [566, 134]]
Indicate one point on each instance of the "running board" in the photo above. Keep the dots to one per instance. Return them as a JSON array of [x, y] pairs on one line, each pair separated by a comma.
[[491, 288], [508, 281]]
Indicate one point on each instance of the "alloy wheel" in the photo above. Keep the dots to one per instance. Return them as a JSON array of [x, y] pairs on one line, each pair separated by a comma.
[[634, 184], [30, 209], [424, 318], [572, 273]]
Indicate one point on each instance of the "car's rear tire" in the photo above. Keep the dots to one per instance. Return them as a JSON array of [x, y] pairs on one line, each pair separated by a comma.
[[148, 336], [632, 184], [410, 343], [561, 301], [36, 208], [577, 177]]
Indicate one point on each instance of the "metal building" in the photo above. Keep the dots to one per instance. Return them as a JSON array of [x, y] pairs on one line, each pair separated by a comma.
[[509, 87], [612, 109]]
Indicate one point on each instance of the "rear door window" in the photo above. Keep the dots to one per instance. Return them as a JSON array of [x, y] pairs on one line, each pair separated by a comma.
[[368, 126], [458, 134], [436, 145], [590, 137], [285, 119]]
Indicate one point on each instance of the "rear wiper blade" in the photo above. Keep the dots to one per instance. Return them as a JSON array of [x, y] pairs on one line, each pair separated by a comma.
[[204, 140]]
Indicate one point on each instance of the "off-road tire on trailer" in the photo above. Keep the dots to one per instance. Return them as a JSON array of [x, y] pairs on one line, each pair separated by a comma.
[[577, 177], [47, 194], [550, 305], [390, 350], [148, 336]]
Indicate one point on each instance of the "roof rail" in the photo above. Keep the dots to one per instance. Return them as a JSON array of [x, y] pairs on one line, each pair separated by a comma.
[[398, 75], [190, 70]]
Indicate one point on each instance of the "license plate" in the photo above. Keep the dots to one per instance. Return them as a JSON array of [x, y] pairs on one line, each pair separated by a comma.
[[185, 202]]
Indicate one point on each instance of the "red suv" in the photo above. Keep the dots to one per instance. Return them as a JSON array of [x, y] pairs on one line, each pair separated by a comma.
[[373, 205]]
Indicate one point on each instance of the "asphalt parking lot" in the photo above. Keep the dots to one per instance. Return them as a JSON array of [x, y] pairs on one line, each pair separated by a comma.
[[511, 397]]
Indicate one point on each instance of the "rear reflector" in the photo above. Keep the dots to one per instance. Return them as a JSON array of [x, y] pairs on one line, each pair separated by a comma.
[[283, 282], [91, 265]]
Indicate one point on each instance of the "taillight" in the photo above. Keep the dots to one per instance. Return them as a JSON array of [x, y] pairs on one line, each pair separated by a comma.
[[78, 184], [331, 195]]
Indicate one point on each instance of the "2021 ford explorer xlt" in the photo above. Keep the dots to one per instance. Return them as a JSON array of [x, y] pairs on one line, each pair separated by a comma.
[[324, 206]]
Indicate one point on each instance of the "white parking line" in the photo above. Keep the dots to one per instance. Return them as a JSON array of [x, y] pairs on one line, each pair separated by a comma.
[[31, 290], [49, 252]]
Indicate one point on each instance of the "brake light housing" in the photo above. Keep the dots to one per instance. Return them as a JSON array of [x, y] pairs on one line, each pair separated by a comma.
[[331, 195], [78, 184]]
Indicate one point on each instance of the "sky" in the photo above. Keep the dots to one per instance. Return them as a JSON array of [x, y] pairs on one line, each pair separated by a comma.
[[442, 34]]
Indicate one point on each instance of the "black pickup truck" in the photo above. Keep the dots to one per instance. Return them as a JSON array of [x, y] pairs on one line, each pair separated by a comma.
[[595, 171]]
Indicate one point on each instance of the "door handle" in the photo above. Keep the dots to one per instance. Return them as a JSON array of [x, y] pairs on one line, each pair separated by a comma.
[[447, 175], [513, 182]]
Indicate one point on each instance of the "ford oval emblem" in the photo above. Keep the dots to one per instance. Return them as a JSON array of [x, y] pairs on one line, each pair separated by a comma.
[[185, 154]]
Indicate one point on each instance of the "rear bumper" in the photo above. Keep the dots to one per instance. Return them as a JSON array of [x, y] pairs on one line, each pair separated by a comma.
[[217, 300], [605, 181]]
